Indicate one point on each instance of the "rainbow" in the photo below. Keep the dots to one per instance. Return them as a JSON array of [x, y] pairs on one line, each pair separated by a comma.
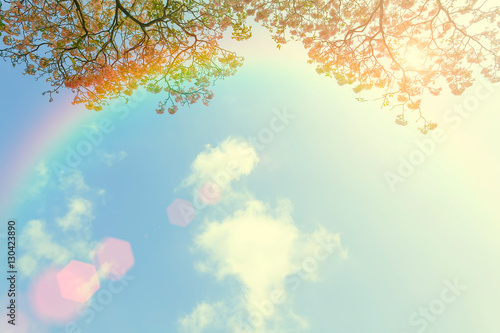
[[45, 136]]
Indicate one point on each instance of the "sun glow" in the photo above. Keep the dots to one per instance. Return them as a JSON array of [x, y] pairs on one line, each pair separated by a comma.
[[413, 58]]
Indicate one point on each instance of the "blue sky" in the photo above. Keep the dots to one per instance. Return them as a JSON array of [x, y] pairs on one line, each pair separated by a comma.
[[406, 240]]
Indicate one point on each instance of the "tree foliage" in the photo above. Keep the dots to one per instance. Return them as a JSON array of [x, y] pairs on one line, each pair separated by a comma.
[[107, 48], [405, 48]]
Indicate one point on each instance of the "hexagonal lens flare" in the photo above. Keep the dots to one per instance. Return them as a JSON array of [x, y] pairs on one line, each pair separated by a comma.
[[47, 301], [210, 193], [115, 258], [78, 281], [181, 212]]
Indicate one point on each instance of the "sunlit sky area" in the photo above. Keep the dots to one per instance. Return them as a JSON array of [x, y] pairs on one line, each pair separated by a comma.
[[331, 219]]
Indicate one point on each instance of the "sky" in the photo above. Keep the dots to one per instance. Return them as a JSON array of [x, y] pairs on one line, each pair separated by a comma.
[[284, 206]]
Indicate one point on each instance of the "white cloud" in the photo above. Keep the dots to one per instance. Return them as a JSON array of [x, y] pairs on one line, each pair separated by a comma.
[[261, 248], [270, 239], [39, 245], [110, 159], [38, 239], [41, 178], [102, 194], [222, 164], [73, 181], [79, 212], [203, 316]]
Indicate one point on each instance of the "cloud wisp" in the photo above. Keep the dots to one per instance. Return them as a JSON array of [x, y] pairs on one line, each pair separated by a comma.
[[260, 247]]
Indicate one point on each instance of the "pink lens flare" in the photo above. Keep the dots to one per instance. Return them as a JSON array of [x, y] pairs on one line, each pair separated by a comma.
[[47, 301], [78, 281], [181, 212], [115, 257], [210, 193]]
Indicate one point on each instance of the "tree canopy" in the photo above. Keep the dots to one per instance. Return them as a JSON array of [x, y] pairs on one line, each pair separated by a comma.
[[405, 48], [107, 48]]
